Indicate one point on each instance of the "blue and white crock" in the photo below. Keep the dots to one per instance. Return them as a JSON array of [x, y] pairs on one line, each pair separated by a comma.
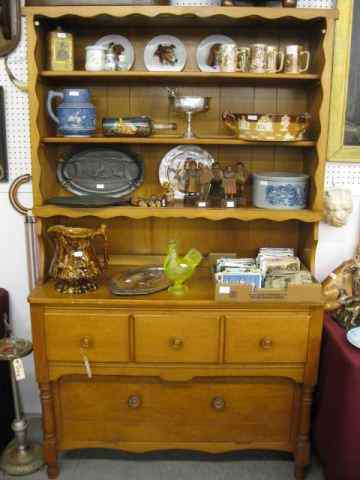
[[76, 115], [280, 190]]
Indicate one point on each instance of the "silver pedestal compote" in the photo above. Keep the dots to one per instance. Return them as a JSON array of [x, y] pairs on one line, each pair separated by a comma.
[[189, 105]]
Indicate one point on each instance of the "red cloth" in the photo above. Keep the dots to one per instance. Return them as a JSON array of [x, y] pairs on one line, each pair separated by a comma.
[[336, 428]]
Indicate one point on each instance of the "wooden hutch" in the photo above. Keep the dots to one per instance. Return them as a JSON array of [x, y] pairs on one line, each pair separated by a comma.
[[241, 375]]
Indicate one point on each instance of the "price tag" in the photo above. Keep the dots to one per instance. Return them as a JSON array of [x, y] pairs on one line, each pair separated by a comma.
[[202, 204], [78, 254], [224, 290], [230, 204], [61, 35], [19, 369], [74, 93], [100, 186]]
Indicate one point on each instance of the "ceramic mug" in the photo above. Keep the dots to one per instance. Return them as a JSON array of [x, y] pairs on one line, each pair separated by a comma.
[[294, 55], [95, 58], [228, 57], [258, 57], [274, 59]]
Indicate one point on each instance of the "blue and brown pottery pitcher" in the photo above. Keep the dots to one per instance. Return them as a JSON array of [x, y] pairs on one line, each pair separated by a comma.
[[76, 115]]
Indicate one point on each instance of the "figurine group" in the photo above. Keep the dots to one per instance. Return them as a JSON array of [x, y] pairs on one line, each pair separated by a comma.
[[212, 185]]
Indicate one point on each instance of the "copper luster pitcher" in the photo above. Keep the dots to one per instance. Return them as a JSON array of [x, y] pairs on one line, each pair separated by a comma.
[[75, 266]]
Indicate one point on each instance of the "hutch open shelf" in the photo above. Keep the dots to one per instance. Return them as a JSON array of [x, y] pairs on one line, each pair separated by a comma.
[[244, 375]]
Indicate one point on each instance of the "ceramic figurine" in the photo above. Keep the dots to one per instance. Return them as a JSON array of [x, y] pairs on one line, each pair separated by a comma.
[[216, 192], [338, 206], [76, 115], [242, 176], [191, 181], [229, 183], [179, 269], [205, 177], [75, 267]]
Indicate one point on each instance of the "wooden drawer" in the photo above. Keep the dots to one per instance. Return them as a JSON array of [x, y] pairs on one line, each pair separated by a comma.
[[145, 410], [267, 337], [103, 335], [177, 337]]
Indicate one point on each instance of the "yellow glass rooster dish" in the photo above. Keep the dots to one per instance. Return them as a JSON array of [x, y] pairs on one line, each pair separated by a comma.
[[179, 269]]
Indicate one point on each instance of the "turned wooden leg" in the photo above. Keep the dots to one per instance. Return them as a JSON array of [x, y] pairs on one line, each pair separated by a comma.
[[302, 450], [49, 429]]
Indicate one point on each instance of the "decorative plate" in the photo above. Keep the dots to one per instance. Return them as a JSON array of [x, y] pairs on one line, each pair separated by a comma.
[[165, 53], [122, 43], [94, 201], [353, 336], [139, 281], [172, 166], [205, 53], [101, 171]]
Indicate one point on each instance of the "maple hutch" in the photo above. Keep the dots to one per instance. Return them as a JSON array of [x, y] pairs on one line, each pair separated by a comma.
[[240, 375]]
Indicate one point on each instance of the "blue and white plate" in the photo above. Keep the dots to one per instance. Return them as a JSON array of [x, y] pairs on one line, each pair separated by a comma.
[[353, 336]]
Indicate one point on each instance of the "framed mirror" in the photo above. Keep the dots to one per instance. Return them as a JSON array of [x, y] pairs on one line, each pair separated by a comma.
[[10, 25], [344, 133]]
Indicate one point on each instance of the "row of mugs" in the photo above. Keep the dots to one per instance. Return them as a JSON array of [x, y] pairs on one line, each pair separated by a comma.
[[263, 58]]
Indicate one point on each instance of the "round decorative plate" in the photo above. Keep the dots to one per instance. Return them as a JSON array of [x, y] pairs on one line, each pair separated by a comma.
[[172, 166], [165, 53], [120, 41], [205, 57], [139, 281], [353, 336], [101, 171]]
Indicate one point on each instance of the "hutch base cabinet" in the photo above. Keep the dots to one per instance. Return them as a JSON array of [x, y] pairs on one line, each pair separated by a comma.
[[158, 372], [166, 374]]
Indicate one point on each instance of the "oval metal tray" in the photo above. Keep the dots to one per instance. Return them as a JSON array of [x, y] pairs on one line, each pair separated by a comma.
[[101, 171]]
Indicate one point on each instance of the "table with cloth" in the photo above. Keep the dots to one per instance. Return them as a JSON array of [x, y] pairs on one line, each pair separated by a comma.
[[336, 427]]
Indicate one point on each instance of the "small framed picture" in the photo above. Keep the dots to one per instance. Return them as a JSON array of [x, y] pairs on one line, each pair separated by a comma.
[[3, 140]]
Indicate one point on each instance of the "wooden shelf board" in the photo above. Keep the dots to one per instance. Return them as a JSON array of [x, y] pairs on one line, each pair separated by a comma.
[[171, 140], [289, 14], [138, 213], [184, 75]]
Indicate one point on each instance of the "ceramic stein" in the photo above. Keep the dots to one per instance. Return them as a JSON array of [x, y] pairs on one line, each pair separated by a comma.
[[76, 116], [228, 57], [274, 59], [95, 58], [294, 55], [258, 54]]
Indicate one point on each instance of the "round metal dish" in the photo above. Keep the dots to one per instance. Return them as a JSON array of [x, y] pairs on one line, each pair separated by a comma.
[[139, 281]]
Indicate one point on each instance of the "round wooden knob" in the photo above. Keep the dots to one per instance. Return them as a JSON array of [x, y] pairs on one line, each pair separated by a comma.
[[85, 342], [266, 343], [218, 404], [134, 401], [176, 343]]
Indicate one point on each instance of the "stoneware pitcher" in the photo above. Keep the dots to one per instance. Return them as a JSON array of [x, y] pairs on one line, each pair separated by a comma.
[[76, 115], [75, 267]]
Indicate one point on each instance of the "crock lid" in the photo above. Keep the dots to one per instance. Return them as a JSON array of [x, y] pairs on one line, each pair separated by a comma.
[[282, 176]]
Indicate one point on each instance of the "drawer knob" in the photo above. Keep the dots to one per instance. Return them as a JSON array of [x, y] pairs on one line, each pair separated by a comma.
[[266, 343], [176, 343], [134, 401], [85, 342], [218, 404]]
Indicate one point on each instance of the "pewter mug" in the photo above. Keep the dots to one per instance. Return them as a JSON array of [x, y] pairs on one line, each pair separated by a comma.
[[274, 59], [243, 59], [258, 53], [294, 55]]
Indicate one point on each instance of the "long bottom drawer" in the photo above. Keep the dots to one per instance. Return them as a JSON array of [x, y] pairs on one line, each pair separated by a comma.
[[113, 410]]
